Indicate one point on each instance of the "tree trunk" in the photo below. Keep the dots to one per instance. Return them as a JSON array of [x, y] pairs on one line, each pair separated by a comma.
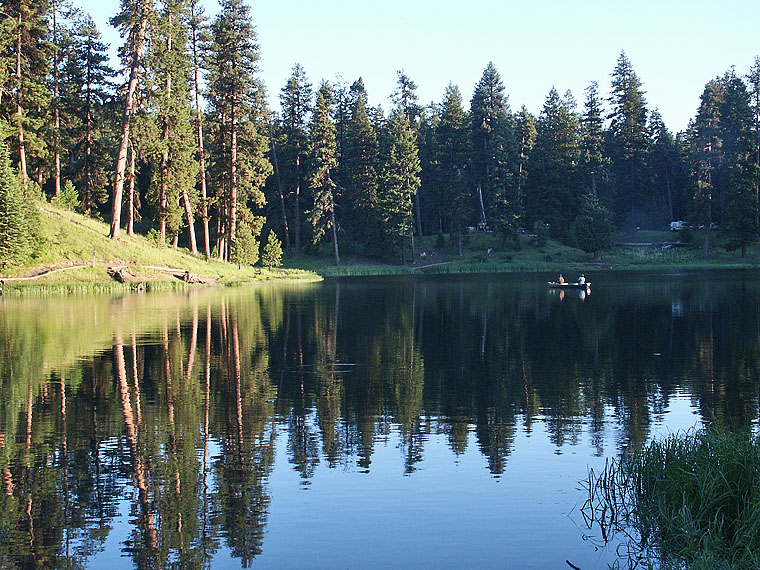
[[121, 159], [131, 215], [202, 158], [163, 199], [297, 206], [334, 230], [279, 187], [418, 211], [57, 136], [190, 221], [20, 130], [233, 176]]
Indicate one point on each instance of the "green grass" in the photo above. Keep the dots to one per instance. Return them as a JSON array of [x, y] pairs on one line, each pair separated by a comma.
[[691, 500], [70, 239]]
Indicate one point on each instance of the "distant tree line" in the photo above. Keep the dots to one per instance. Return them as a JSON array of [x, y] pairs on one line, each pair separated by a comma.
[[184, 148]]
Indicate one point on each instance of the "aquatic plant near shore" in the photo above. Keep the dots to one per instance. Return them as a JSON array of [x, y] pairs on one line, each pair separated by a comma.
[[691, 500]]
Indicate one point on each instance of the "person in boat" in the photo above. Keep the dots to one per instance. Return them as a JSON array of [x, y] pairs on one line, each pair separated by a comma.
[[561, 279], [582, 279]]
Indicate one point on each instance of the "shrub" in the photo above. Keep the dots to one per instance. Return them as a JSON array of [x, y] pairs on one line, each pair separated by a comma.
[[68, 198], [272, 256], [19, 216], [245, 248]]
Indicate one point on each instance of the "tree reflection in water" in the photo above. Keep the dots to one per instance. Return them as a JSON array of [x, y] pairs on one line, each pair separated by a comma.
[[169, 408]]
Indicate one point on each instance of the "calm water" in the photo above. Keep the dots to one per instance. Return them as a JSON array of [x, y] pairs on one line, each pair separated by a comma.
[[374, 423]]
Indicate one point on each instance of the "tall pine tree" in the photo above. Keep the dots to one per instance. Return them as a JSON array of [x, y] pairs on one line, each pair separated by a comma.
[[400, 182], [322, 147], [452, 155], [295, 99], [132, 22], [629, 144], [237, 105]]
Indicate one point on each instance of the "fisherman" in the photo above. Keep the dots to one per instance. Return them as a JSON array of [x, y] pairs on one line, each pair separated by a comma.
[[561, 279], [582, 279]]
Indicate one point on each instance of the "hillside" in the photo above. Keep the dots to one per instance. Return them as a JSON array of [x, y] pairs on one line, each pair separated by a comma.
[[76, 254]]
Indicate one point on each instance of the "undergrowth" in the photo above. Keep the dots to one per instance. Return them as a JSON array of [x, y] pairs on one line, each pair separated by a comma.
[[691, 500]]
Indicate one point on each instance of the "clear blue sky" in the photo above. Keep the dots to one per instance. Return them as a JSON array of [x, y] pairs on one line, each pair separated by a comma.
[[675, 46]]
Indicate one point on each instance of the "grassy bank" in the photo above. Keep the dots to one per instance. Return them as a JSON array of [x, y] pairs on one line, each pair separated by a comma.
[[688, 501], [483, 253], [77, 255]]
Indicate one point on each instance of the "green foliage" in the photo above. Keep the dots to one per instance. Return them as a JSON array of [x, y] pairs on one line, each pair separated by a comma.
[[19, 218], [245, 248], [592, 228], [628, 142], [85, 92], [154, 237], [272, 255], [360, 162], [494, 153], [400, 181], [238, 122], [323, 164], [296, 101], [553, 188], [450, 160], [686, 500], [68, 199]]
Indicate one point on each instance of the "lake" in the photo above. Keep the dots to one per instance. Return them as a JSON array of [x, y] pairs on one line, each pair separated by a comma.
[[429, 422]]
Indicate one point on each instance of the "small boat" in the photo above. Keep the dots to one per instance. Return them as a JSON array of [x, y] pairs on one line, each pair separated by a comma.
[[555, 285]]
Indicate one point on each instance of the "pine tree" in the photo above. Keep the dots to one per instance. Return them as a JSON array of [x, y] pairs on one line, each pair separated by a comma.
[[168, 100], [400, 181], [295, 99], [18, 216], [360, 163], [593, 162], [198, 43], [405, 97], [526, 132], [740, 174], [554, 181], [452, 155], [494, 153], [236, 98], [25, 66], [753, 80], [132, 22], [629, 142], [592, 228], [662, 160], [707, 154], [272, 256], [85, 91], [322, 149]]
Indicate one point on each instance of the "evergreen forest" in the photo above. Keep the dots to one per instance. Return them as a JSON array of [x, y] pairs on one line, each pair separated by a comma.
[[179, 144]]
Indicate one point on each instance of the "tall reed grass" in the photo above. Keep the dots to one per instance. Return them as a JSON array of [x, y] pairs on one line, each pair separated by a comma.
[[691, 500]]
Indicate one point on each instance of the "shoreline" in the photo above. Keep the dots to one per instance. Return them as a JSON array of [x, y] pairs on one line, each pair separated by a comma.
[[101, 276]]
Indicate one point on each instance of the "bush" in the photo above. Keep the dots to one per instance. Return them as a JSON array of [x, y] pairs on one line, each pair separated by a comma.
[[272, 256], [245, 248], [68, 199], [19, 216]]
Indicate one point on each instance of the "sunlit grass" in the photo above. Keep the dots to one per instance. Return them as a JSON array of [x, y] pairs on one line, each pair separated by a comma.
[[81, 245], [690, 500]]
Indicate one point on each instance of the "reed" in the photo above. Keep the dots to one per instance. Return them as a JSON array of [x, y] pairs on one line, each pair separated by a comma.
[[691, 500]]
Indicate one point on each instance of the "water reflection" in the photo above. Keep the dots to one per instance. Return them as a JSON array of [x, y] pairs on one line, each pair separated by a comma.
[[161, 414]]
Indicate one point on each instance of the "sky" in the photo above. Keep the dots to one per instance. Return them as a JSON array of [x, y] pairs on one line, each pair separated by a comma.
[[674, 46]]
